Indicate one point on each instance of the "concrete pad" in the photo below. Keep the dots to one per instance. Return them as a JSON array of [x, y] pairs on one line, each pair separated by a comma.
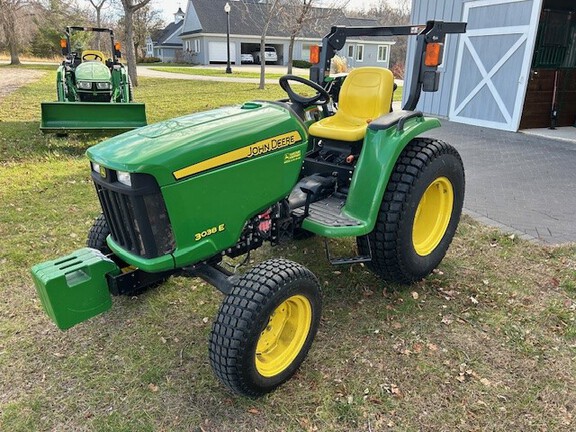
[[567, 133]]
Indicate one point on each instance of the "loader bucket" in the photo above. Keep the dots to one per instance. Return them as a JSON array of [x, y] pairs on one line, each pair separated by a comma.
[[91, 116]]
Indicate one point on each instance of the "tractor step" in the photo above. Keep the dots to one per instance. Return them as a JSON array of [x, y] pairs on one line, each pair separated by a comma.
[[328, 212], [73, 288], [91, 116], [346, 261]]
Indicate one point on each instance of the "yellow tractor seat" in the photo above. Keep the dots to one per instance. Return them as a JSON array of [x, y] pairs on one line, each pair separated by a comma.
[[93, 55], [365, 95]]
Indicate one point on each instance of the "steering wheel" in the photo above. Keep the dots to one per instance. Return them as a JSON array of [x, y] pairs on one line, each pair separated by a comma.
[[91, 57], [320, 98]]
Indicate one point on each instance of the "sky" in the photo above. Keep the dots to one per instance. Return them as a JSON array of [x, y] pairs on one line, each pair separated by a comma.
[[169, 7]]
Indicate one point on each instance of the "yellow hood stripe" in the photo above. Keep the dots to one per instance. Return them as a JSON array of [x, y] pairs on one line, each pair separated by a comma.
[[252, 150]]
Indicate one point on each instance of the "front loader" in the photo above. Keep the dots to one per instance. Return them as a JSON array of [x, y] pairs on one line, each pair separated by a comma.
[[94, 91], [184, 195]]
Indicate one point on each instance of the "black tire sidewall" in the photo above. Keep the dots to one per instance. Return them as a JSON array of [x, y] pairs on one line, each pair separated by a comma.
[[446, 165], [98, 234], [303, 286]]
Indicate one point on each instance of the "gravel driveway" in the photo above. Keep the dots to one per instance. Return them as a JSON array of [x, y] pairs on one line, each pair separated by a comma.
[[14, 78]]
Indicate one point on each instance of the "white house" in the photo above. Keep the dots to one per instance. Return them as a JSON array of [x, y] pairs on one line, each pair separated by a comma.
[[205, 26], [167, 45]]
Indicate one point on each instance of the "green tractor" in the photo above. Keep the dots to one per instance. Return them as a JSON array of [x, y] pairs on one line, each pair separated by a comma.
[[180, 196], [94, 91]]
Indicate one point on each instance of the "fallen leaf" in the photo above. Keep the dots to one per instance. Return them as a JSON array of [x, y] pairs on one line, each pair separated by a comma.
[[415, 295], [153, 387], [474, 300], [253, 411], [432, 347], [205, 320], [486, 382], [447, 319]]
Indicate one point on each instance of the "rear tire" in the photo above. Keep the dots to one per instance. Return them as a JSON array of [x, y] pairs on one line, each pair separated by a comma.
[[265, 327], [419, 213], [97, 235]]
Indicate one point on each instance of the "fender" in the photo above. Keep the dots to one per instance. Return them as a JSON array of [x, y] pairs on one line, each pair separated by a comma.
[[385, 139]]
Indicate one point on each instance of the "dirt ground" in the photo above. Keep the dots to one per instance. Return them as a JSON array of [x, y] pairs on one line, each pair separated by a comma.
[[14, 78]]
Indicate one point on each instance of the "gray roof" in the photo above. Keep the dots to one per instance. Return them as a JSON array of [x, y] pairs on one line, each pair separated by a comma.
[[163, 37], [246, 18]]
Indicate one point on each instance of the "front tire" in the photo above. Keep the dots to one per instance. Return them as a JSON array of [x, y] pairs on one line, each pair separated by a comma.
[[97, 235], [419, 213], [265, 327]]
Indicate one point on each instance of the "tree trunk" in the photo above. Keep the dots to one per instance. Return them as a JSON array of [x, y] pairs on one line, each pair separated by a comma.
[[290, 52], [8, 21], [14, 57], [262, 60], [130, 56]]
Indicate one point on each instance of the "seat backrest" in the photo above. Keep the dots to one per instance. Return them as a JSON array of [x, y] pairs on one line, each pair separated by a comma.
[[366, 93]]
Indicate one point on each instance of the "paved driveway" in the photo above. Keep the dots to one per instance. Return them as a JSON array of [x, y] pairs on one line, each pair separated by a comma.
[[513, 180]]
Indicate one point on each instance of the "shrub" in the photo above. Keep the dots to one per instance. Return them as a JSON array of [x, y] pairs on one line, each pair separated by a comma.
[[398, 70], [301, 64], [150, 60]]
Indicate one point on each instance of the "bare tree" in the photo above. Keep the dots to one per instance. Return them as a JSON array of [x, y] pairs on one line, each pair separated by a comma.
[[261, 15], [392, 13], [147, 21], [299, 14], [130, 7], [98, 5], [9, 12]]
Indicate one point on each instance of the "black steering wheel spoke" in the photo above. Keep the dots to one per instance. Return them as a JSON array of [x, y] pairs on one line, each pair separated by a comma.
[[320, 98]]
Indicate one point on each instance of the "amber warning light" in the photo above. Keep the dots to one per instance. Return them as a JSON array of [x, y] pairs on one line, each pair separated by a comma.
[[117, 46], [433, 55], [62, 43], [315, 54]]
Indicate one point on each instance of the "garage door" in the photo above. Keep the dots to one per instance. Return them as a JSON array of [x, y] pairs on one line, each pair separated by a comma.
[[493, 62], [217, 52]]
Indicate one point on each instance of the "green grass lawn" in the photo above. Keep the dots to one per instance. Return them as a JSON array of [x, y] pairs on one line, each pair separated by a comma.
[[236, 73], [242, 74], [487, 342]]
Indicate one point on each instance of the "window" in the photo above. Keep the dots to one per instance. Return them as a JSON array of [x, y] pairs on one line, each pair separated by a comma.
[[359, 53], [351, 51], [382, 53], [192, 46], [306, 52]]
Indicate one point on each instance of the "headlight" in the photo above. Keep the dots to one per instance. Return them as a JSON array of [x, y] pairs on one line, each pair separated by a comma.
[[103, 86], [84, 85], [124, 178], [95, 167]]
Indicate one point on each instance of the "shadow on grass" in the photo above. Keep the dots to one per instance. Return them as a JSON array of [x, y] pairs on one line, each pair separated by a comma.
[[24, 140]]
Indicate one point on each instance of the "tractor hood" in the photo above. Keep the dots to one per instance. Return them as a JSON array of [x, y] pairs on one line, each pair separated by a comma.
[[194, 144], [92, 71]]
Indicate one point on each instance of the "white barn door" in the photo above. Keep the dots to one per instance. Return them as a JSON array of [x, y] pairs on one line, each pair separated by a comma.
[[493, 62]]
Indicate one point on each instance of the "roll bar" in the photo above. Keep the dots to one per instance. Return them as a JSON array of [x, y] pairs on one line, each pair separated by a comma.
[[115, 52], [424, 77]]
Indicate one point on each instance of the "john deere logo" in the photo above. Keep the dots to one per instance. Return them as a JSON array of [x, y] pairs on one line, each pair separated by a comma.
[[102, 172]]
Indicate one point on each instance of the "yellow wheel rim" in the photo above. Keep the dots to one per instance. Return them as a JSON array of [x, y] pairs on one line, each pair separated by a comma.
[[432, 216], [284, 336]]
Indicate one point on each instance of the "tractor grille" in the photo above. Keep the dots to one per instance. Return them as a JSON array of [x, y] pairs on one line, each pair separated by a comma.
[[136, 215]]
